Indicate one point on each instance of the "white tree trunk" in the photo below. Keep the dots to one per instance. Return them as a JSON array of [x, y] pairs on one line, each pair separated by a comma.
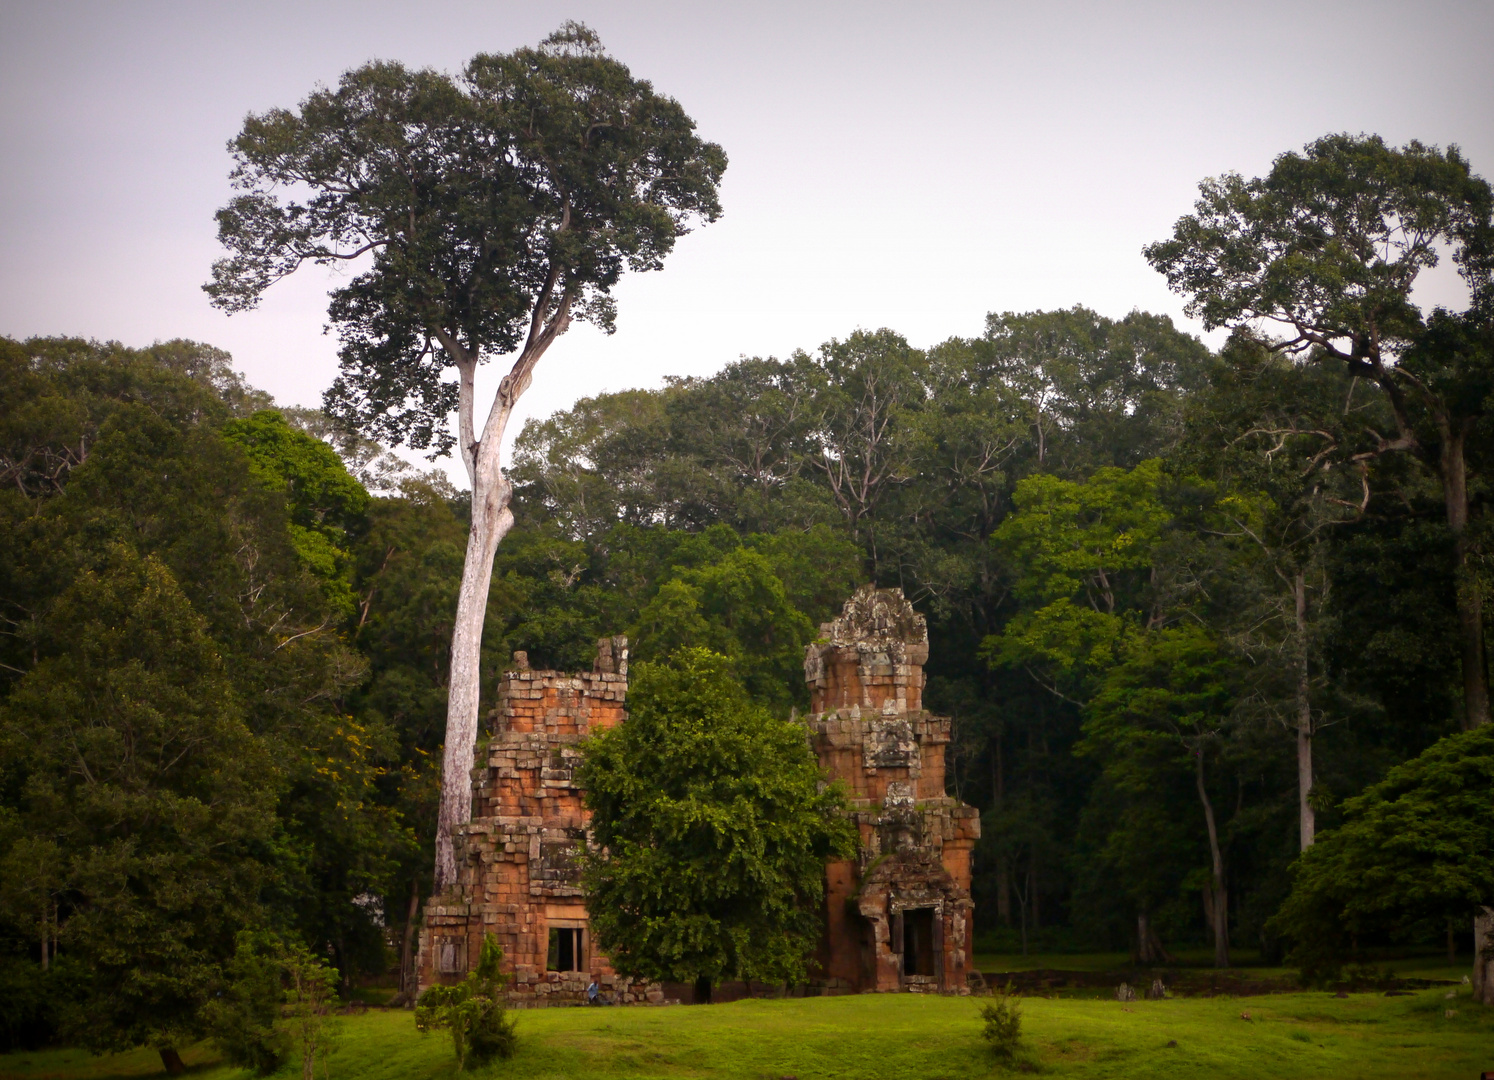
[[491, 520], [1483, 957]]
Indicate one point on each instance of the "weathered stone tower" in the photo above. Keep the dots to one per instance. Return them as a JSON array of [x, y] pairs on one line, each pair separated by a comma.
[[516, 873], [897, 918]]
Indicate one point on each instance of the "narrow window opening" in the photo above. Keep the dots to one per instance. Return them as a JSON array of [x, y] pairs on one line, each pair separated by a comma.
[[565, 950]]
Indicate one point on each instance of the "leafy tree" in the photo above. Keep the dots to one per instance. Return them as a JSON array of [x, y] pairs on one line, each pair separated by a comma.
[[57, 395], [1288, 464], [310, 992], [1084, 556], [496, 208], [748, 428], [408, 568], [600, 462], [1328, 246], [862, 437], [127, 751], [736, 607], [155, 481], [473, 1010], [1003, 1024], [245, 1020], [1414, 849], [327, 506], [278, 1000], [1132, 840], [711, 828], [1093, 391], [1168, 700]]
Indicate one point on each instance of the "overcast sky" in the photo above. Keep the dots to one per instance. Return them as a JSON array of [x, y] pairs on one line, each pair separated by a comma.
[[905, 165]]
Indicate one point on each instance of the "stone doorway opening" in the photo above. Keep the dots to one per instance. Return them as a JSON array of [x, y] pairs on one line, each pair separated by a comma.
[[566, 953], [918, 942]]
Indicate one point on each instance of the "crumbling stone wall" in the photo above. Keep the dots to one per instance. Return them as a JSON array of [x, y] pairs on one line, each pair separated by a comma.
[[899, 916], [516, 869]]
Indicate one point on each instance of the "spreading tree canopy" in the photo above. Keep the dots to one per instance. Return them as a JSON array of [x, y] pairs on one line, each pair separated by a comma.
[[1327, 247], [491, 210], [1414, 849]]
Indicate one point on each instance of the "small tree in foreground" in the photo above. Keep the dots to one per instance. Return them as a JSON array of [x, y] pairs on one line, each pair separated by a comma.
[[279, 999], [244, 1021], [712, 827], [473, 1011], [310, 991], [1003, 1019]]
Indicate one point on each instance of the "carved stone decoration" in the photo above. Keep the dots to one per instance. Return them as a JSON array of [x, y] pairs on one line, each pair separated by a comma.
[[890, 744], [898, 918]]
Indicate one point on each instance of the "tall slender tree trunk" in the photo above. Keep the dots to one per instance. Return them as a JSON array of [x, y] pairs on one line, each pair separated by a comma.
[[1469, 600], [1003, 863], [1022, 904], [1483, 957], [491, 520], [1475, 661], [408, 978], [1149, 947], [1035, 889], [171, 1061], [1306, 822], [1143, 939], [1221, 898]]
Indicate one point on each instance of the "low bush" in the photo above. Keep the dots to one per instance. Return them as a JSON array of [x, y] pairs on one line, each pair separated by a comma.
[[473, 1011], [1003, 1017]]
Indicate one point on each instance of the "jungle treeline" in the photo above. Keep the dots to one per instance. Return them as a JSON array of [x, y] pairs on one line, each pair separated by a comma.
[[1151, 571]]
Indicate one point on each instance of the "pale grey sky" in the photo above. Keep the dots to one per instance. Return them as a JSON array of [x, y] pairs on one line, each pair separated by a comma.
[[905, 165]]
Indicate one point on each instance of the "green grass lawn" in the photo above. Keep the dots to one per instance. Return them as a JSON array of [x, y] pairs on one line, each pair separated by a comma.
[[905, 1037]]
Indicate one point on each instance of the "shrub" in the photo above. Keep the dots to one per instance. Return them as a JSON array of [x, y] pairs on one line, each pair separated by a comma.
[[1003, 1017], [473, 1011]]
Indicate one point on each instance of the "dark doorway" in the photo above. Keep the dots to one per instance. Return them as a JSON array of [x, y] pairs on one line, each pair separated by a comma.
[[918, 941], [565, 950]]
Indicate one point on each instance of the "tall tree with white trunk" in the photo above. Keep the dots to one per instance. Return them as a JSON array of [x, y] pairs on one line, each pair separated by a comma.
[[485, 213]]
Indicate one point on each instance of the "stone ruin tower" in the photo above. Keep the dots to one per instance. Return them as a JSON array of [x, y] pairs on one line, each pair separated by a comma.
[[516, 872], [899, 916]]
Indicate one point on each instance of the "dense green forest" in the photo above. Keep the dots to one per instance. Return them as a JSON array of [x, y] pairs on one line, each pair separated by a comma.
[[225, 627], [1210, 623]]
